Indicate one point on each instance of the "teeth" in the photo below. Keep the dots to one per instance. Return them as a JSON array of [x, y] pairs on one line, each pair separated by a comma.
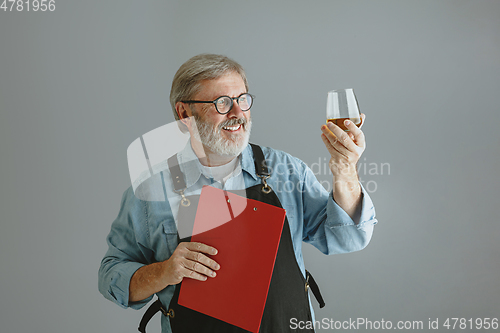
[[232, 128]]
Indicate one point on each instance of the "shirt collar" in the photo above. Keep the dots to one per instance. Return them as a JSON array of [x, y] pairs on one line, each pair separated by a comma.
[[191, 166], [247, 162]]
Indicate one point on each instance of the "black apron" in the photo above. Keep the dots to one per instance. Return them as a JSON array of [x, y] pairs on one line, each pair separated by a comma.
[[287, 296]]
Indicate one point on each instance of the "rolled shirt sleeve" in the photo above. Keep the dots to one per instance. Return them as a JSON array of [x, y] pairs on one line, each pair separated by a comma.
[[126, 253], [327, 226]]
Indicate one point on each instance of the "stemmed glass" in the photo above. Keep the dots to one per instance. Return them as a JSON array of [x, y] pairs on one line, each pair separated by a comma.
[[341, 105]]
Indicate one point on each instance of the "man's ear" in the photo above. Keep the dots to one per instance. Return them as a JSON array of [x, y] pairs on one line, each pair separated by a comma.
[[184, 113]]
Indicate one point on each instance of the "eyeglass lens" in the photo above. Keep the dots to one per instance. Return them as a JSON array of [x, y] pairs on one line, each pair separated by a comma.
[[224, 104]]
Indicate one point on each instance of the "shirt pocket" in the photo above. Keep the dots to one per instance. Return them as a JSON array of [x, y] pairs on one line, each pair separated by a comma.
[[170, 231]]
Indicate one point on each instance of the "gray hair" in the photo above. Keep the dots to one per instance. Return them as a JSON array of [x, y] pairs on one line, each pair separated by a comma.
[[187, 80]]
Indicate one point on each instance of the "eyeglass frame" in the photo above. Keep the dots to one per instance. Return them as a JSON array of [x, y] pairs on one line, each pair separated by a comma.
[[232, 102]]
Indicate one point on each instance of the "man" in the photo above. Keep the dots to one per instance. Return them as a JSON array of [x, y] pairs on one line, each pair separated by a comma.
[[210, 100]]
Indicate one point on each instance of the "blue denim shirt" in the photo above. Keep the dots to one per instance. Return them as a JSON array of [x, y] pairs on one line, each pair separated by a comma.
[[145, 231]]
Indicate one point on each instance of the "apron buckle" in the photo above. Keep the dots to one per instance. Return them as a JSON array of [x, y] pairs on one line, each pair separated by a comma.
[[184, 201], [266, 188]]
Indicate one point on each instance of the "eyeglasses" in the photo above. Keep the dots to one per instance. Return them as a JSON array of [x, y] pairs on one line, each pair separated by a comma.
[[224, 104]]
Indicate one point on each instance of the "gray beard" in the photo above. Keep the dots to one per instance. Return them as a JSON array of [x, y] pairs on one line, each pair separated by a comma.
[[211, 137]]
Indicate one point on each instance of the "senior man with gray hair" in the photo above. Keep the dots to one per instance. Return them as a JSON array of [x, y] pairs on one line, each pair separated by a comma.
[[210, 100]]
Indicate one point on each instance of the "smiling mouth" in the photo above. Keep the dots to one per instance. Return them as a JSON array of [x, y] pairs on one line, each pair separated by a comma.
[[232, 128]]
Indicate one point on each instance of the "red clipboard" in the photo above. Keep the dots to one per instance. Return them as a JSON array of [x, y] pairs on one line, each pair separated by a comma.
[[246, 234]]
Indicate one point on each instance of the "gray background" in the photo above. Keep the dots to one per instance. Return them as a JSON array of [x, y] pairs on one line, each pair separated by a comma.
[[78, 85]]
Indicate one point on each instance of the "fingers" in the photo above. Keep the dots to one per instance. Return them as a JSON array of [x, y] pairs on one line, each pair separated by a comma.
[[195, 270], [345, 147], [327, 143], [203, 260], [338, 139], [363, 117], [190, 261], [200, 247], [358, 135]]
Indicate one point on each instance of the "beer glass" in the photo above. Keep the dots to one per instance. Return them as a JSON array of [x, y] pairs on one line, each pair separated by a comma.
[[341, 105]]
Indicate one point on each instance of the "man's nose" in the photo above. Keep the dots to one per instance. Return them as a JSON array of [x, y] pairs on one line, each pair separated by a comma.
[[236, 111]]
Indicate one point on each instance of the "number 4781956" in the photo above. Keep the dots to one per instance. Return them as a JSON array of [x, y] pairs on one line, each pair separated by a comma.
[[28, 5]]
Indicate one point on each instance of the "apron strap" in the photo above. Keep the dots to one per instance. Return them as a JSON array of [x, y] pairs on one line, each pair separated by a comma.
[[310, 282], [178, 179], [150, 312], [260, 162], [261, 168], [176, 173]]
